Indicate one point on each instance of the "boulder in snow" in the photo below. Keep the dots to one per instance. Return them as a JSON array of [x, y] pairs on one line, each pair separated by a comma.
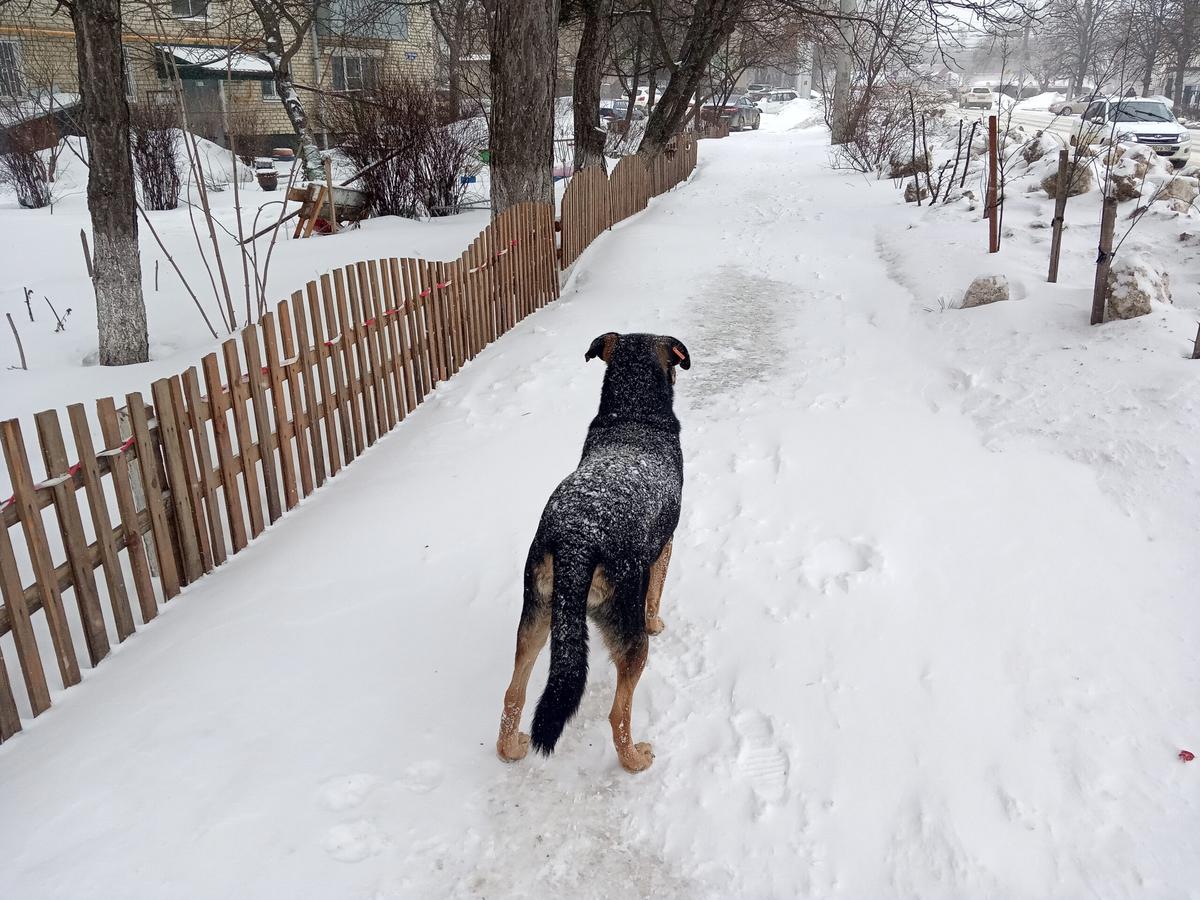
[[1178, 187], [1134, 284], [906, 166], [1038, 146], [984, 290], [913, 192], [1080, 180]]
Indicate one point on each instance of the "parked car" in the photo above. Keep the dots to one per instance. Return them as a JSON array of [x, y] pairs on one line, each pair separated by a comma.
[[1139, 119], [775, 100], [619, 107], [758, 91], [739, 112], [979, 98], [1072, 106]]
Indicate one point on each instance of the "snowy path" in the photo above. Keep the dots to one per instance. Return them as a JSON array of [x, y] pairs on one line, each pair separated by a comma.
[[914, 647]]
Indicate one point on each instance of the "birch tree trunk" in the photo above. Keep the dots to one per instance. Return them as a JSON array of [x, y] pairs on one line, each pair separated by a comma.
[[524, 51], [116, 261]]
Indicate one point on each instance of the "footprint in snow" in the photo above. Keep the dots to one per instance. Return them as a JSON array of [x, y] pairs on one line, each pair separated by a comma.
[[422, 777], [835, 563], [347, 791], [760, 758], [353, 842]]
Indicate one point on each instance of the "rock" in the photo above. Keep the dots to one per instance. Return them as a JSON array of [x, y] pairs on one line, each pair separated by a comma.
[[1039, 146], [1179, 188], [1080, 180], [1126, 187], [912, 192], [906, 167], [1134, 284], [984, 290]]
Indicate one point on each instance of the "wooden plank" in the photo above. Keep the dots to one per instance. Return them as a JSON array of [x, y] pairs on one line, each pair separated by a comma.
[[353, 427], [291, 369], [447, 316], [416, 325], [403, 332], [10, 719], [171, 440], [218, 405], [433, 305], [114, 578], [247, 450], [196, 477], [203, 461], [262, 420], [318, 204], [345, 284], [28, 655], [13, 445], [147, 461], [393, 317], [135, 547], [377, 330], [70, 526], [369, 363], [282, 425], [310, 360], [340, 441]]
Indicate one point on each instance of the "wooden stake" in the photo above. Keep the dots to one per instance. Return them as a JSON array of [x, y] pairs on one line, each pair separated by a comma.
[[20, 349], [1060, 207], [87, 252], [993, 177], [1104, 258], [333, 223]]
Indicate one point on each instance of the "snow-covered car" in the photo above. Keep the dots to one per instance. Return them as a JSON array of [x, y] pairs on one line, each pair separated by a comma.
[[757, 91], [979, 98], [1071, 106], [1139, 119], [777, 99]]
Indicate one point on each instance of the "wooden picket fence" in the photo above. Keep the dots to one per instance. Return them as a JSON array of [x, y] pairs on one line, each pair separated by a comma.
[[186, 480], [594, 201]]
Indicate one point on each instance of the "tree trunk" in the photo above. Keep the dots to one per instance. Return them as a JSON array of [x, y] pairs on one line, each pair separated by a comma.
[[593, 44], [711, 23], [524, 68], [279, 56], [116, 262], [839, 113]]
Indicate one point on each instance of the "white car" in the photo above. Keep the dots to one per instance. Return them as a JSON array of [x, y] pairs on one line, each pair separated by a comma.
[[776, 100], [1141, 119], [979, 98], [1072, 106]]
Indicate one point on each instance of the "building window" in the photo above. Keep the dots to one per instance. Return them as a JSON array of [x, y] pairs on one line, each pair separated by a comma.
[[127, 77], [10, 71], [354, 73], [268, 89], [362, 19], [189, 9]]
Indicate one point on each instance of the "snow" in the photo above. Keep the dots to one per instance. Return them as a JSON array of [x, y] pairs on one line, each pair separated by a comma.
[[930, 614], [1039, 102], [792, 116]]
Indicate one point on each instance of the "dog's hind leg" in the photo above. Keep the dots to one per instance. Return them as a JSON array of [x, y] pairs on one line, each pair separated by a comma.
[[630, 661], [658, 576], [532, 633]]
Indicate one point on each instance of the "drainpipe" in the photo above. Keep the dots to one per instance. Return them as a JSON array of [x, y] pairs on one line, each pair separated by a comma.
[[316, 55]]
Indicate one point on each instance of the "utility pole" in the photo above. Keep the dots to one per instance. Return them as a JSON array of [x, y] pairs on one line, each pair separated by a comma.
[[840, 112]]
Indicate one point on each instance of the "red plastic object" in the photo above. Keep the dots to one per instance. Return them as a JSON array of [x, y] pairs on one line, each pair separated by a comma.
[[1187, 755]]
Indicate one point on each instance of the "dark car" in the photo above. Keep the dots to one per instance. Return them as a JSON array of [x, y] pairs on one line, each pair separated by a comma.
[[740, 112], [616, 109]]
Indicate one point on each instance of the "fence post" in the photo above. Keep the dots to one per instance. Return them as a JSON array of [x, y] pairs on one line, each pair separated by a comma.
[[1060, 207], [993, 216], [1104, 258]]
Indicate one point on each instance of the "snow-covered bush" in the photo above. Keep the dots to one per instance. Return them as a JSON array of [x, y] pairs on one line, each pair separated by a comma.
[[886, 123], [154, 143]]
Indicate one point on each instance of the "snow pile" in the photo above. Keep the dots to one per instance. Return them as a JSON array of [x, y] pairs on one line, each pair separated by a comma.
[[1039, 102], [795, 115]]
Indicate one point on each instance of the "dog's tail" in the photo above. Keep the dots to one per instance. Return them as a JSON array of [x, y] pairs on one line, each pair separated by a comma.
[[568, 650]]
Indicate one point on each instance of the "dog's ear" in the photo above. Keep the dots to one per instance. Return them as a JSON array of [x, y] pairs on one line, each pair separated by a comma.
[[602, 347], [677, 353]]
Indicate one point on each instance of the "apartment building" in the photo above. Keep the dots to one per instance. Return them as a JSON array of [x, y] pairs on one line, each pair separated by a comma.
[[208, 51]]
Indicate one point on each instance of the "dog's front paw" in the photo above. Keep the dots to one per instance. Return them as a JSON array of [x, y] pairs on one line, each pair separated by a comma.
[[655, 626], [513, 747], [638, 759]]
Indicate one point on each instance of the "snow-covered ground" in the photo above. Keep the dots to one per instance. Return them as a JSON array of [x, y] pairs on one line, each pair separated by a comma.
[[930, 616]]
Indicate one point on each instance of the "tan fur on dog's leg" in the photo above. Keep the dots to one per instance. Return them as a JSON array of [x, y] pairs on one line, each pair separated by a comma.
[[633, 757], [658, 577], [512, 745]]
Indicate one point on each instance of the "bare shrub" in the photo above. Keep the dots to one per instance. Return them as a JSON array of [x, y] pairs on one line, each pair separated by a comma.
[[245, 128], [416, 159], [884, 132], [23, 163], [154, 142]]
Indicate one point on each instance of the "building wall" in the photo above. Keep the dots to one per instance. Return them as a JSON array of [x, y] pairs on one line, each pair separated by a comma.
[[46, 56]]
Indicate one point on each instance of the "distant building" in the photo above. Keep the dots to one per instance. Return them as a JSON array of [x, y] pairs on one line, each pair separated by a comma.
[[207, 52]]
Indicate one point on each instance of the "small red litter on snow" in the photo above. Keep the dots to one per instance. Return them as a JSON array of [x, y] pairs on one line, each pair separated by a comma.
[[1187, 755]]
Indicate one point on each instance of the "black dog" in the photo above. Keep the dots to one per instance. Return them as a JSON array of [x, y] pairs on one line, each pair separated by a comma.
[[602, 548]]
